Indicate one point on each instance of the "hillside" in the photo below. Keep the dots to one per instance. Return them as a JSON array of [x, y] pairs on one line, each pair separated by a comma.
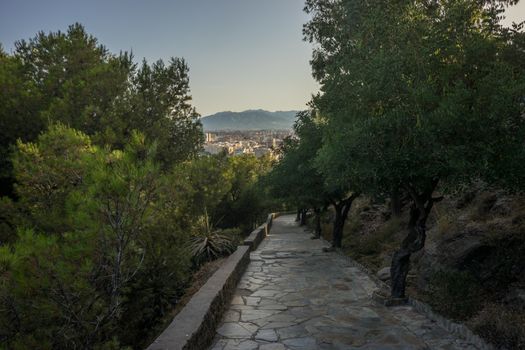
[[471, 269], [249, 120]]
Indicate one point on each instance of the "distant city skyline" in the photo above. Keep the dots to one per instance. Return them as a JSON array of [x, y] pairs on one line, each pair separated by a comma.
[[242, 54]]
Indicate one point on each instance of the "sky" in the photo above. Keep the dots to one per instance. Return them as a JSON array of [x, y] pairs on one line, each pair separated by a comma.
[[242, 54]]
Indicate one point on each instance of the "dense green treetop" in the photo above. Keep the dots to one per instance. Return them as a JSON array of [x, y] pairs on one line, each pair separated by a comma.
[[295, 178], [76, 77], [418, 94], [69, 78], [417, 90], [106, 190]]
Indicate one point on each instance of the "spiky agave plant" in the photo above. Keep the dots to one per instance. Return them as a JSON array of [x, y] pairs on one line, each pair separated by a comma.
[[208, 244]]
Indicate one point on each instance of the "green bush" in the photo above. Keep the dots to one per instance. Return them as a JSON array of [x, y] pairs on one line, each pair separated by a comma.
[[209, 246], [233, 234], [456, 294], [108, 264], [501, 326], [370, 243]]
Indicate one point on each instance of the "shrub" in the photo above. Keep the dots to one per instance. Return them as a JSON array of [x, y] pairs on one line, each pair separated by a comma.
[[209, 244], [456, 294], [373, 243], [501, 326], [446, 220], [233, 234]]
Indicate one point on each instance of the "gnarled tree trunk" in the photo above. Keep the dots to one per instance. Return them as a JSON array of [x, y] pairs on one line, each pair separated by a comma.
[[395, 203], [341, 213], [302, 221], [317, 233], [414, 241]]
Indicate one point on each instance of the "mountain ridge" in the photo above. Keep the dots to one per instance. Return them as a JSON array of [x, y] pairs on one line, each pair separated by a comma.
[[251, 119]]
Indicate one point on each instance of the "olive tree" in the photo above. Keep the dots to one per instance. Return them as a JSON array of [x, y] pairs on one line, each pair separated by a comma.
[[417, 94]]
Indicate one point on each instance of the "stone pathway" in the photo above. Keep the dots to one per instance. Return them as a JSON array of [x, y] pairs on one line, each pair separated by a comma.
[[294, 296]]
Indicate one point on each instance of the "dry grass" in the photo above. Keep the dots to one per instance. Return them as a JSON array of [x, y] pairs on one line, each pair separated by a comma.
[[456, 294], [369, 237], [446, 220], [501, 326]]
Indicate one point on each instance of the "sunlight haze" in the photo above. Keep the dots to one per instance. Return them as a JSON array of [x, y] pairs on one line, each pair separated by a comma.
[[242, 54]]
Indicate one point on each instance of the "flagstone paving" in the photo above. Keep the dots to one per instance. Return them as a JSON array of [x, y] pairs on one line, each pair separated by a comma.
[[295, 296]]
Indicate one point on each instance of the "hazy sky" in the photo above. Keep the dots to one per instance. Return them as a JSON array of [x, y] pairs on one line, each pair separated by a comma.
[[242, 53]]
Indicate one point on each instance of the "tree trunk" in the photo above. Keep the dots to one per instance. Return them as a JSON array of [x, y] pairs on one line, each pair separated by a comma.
[[303, 217], [298, 217], [341, 213], [337, 233], [395, 203], [317, 212], [414, 241]]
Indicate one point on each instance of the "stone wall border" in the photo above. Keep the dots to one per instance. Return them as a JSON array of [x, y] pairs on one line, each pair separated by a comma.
[[458, 329], [193, 328], [255, 238]]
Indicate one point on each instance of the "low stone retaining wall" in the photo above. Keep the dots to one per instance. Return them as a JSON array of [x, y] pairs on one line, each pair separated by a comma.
[[276, 215], [453, 327], [194, 327], [255, 238], [456, 328]]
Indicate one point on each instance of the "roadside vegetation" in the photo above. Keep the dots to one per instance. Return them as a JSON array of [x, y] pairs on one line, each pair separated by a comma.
[[412, 145], [108, 207]]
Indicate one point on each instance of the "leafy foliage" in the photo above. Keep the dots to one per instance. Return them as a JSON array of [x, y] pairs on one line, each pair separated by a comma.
[[96, 231], [209, 244], [502, 328], [246, 203], [397, 92], [456, 293], [69, 78], [296, 178], [416, 94]]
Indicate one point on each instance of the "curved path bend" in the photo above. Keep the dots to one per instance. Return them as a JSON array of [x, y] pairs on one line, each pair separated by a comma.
[[295, 296]]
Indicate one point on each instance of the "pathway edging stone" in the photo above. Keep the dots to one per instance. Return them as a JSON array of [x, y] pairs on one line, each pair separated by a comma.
[[194, 327], [426, 310], [296, 296]]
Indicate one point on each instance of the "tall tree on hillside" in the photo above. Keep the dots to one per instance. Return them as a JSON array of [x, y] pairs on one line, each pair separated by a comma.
[[56, 77], [296, 178], [101, 255], [86, 87], [245, 201], [19, 117], [160, 107], [417, 94], [77, 78], [69, 78]]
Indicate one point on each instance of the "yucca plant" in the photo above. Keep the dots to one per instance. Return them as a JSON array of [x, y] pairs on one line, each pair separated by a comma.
[[208, 244]]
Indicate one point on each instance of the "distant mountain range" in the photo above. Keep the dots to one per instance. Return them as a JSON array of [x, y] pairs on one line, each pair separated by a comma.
[[254, 119]]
